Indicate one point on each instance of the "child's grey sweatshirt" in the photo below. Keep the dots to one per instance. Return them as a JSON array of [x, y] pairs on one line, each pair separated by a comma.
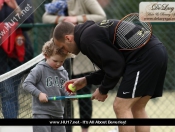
[[45, 79]]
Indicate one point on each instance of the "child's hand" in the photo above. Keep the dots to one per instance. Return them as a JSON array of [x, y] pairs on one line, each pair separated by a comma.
[[43, 98]]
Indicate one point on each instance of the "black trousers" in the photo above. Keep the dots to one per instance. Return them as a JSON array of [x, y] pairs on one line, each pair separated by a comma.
[[85, 104]]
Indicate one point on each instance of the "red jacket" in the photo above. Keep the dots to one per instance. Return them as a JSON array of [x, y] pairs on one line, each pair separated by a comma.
[[12, 40]]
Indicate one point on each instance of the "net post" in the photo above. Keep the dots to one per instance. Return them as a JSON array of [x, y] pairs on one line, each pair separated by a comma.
[[68, 110]]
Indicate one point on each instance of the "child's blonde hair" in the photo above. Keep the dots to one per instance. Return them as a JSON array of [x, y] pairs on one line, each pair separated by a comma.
[[50, 49]]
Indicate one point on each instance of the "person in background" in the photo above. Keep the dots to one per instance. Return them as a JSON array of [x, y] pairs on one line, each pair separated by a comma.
[[76, 12], [19, 54], [104, 3], [44, 80]]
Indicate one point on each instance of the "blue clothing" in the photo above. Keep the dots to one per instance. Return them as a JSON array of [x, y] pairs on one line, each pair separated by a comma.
[[57, 7], [9, 98]]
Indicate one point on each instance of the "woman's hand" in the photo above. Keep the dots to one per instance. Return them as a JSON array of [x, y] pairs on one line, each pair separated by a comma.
[[12, 3], [72, 19], [1, 4]]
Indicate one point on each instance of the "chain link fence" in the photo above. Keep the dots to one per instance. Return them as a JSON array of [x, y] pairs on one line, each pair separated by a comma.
[[116, 9], [157, 108]]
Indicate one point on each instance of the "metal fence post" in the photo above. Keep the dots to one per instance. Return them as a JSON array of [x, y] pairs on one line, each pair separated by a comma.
[[68, 105]]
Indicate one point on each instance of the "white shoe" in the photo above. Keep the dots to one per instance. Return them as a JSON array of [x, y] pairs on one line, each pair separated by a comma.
[[114, 130]]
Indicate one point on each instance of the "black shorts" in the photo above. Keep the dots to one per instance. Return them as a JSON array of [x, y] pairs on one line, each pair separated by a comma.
[[145, 76]]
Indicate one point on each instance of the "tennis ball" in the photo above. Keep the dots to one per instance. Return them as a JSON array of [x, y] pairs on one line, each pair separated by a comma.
[[70, 88]]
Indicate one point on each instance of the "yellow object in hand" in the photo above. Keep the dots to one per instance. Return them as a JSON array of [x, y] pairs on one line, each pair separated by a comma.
[[71, 88]]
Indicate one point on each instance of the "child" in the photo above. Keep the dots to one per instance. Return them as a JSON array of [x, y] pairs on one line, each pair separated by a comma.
[[46, 79]]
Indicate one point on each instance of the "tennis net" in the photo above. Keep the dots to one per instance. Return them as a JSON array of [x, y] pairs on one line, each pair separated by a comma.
[[15, 102]]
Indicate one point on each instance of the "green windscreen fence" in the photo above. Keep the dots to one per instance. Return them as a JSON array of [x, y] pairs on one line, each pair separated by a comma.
[[115, 9]]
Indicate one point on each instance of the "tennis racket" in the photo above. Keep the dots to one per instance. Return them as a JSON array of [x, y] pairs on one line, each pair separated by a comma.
[[131, 33], [70, 97]]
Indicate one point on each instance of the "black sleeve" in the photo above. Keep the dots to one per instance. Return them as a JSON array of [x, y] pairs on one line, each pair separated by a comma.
[[95, 77], [111, 63]]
